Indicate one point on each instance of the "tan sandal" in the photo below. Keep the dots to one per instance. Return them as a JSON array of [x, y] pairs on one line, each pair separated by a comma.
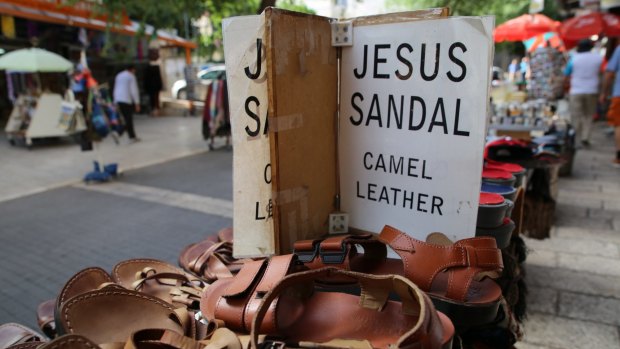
[[161, 280], [310, 316], [212, 258], [234, 301], [457, 276]]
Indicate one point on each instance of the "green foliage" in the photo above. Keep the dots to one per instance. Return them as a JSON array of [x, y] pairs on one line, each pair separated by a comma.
[[217, 11], [166, 14], [502, 9], [294, 5]]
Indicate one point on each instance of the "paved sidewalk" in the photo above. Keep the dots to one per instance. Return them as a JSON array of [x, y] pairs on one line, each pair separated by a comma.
[[574, 276], [54, 165], [47, 237]]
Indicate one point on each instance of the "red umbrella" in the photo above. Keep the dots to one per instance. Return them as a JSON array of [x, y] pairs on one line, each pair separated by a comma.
[[595, 23], [524, 27]]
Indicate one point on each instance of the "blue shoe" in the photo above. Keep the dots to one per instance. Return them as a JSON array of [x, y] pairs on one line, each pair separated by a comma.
[[111, 169]]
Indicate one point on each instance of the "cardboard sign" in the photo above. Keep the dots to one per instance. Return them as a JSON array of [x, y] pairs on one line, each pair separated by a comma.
[[414, 102], [246, 72], [303, 104]]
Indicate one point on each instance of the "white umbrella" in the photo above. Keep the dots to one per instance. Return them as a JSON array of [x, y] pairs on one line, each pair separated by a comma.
[[32, 60]]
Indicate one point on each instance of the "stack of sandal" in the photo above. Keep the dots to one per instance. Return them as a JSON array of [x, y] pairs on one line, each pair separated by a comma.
[[338, 292], [455, 279], [211, 258], [142, 301]]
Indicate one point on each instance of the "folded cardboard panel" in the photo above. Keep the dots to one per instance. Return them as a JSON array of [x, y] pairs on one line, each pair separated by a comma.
[[303, 101]]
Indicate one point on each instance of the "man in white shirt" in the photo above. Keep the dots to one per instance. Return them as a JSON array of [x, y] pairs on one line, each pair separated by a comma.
[[127, 98], [584, 69]]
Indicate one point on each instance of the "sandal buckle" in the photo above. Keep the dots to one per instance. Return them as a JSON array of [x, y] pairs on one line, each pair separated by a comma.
[[272, 344], [333, 257], [307, 256]]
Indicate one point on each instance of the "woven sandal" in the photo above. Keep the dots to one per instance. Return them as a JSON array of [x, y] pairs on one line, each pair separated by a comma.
[[311, 316], [457, 276]]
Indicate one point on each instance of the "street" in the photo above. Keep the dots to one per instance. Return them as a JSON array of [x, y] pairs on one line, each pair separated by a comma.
[[52, 225]]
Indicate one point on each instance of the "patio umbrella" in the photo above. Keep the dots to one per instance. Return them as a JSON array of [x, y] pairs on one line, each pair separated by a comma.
[[524, 27], [585, 26], [33, 60], [542, 40]]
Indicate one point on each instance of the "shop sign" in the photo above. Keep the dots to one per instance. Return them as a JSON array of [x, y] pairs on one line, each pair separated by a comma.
[[414, 99], [248, 98]]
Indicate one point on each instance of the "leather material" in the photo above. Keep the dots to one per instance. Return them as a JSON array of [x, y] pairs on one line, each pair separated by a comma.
[[85, 280], [111, 314], [235, 300], [326, 252], [463, 261], [212, 258], [222, 338], [14, 334], [45, 317], [71, 341], [371, 317], [161, 280]]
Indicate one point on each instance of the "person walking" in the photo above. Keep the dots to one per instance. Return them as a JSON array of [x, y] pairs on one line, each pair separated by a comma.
[[127, 98], [583, 70], [514, 69], [613, 113]]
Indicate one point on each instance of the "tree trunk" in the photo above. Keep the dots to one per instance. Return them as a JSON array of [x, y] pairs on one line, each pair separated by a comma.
[[264, 4]]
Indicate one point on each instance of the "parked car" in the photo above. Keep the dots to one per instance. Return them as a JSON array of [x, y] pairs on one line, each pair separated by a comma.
[[203, 79]]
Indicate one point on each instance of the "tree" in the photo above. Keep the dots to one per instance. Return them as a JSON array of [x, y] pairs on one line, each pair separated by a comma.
[[502, 9]]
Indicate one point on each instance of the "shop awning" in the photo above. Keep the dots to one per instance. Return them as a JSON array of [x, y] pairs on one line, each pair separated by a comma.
[[79, 15]]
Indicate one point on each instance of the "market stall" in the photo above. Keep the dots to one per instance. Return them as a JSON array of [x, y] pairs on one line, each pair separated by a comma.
[[36, 114], [349, 152]]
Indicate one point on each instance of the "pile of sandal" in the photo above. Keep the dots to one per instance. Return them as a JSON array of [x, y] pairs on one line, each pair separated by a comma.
[[338, 292]]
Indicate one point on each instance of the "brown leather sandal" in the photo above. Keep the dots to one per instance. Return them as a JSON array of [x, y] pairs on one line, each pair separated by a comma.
[[307, 317], [161, 280], [234, 301], [222, 338], [12, 334], [112, 314], [85, 280], [212, 258], [45, 317], [457, 276]]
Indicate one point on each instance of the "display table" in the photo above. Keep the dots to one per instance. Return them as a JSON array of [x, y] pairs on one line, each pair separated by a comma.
[[44, 117]]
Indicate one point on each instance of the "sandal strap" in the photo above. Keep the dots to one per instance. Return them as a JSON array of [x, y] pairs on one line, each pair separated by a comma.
[[465, 261], [222, 338], [212, 263], [13, 333], [336, 251], [375, 290], [242, 297]]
